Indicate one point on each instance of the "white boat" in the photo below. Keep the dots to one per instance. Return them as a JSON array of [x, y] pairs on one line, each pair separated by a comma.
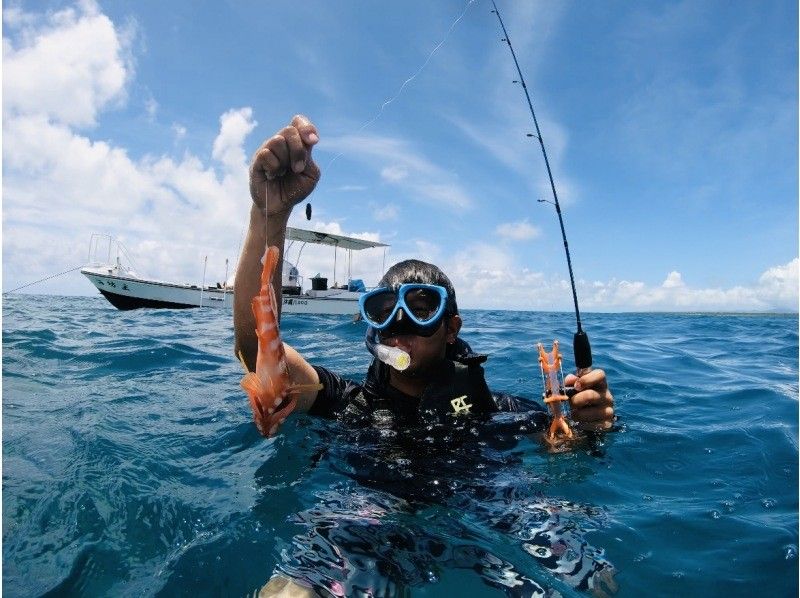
[[110, 269], [320, 299], [113, 274]]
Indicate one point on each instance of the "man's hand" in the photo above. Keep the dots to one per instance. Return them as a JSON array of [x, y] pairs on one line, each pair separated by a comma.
[[282, 168], [593, 405]]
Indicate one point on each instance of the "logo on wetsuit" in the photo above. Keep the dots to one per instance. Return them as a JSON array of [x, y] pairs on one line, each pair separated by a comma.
[[460, 405]]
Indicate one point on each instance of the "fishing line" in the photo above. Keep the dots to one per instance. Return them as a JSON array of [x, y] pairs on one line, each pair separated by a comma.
[[410, 79], [583, 351], [43, 279], [399, 91]]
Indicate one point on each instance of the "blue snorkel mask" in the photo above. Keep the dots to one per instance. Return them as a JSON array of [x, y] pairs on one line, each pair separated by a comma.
[[410, 309], [416, 309]]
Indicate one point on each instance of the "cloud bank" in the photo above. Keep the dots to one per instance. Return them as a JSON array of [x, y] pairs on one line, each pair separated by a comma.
[[61, 72], [488, 276], [64, 70]]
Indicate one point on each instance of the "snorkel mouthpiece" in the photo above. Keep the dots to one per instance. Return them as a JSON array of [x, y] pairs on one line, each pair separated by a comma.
[[392, 356]]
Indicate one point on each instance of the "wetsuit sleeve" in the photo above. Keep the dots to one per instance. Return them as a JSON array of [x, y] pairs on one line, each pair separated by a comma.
[[335, 394], [507, 402]]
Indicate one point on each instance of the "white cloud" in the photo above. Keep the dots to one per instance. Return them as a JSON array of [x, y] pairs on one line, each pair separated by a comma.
[[235, 126], [385, 212], [775, 290], [179, 130], [673, 280], [351, 188], [394, 174], [518, 231], [14, 16], [68, 68], [60, 185], [779, 285], [490, 277], [151, 108], [399, 163], [501, 136], [169, 213]]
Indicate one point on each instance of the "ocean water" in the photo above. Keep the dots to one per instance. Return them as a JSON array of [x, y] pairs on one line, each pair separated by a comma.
[[131, 465]]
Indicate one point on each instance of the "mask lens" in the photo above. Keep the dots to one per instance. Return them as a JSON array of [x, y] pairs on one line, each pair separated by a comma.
[[378, 307], [423, 303]]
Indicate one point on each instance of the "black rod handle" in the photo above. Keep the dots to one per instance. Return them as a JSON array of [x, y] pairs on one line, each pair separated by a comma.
[[583, 351]]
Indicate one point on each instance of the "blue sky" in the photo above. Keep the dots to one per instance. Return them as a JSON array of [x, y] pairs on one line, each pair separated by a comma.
[[672, 129]]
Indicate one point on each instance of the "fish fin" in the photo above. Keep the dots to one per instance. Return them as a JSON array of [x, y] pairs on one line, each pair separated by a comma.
[[251, 384]]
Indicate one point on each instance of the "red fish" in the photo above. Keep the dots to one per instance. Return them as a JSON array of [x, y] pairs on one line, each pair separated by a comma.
[[554, 393], [271, 395]]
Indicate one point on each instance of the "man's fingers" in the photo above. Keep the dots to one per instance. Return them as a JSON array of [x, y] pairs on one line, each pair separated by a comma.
[[595, 379], [570, 380], [286, 156], [287, 150], [591, 398], [272, 158], [279, 148], [297, 151], [261, 160], [307, 130]]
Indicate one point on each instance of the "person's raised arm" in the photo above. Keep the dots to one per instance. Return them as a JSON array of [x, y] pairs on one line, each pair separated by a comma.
[[283, 174]]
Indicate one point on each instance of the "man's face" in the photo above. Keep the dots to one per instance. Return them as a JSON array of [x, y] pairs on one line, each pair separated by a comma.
[[426, 352]]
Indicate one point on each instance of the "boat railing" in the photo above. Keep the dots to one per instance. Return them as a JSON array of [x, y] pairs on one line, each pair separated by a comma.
[[105, 250]]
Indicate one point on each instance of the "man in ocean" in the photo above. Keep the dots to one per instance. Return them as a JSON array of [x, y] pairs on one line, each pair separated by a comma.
[[413, 312]]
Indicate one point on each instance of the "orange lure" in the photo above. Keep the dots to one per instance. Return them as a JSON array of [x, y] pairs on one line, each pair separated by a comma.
[[554, 393], [272, 397]]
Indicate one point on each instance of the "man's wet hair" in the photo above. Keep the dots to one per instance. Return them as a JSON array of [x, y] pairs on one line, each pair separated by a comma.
[[417, 271]]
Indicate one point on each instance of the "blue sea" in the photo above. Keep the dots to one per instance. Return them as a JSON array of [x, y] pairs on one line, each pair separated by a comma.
[[131, 465]]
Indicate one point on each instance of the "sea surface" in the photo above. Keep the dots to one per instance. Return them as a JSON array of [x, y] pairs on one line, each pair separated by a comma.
[[131, 465]]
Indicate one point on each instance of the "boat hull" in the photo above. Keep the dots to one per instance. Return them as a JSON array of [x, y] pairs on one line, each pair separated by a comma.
[[306, 304], [127, 293], [125, 303]]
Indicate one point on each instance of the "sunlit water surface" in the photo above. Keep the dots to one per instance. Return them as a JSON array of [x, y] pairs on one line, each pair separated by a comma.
[[131, 465]]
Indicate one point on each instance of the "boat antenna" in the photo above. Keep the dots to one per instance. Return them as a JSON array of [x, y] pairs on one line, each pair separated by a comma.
[[583, 351]]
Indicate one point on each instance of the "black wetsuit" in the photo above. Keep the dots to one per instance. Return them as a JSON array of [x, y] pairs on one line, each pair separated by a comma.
[[457, 392], [446, 450]]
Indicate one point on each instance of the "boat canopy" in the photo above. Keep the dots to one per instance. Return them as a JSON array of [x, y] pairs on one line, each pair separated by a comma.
[[313, 236]]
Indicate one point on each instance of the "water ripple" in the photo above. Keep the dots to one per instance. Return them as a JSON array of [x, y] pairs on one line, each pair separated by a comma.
[[131, 465]]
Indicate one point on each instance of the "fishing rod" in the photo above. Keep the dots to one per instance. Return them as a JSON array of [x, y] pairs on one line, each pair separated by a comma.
[[581, 347]]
